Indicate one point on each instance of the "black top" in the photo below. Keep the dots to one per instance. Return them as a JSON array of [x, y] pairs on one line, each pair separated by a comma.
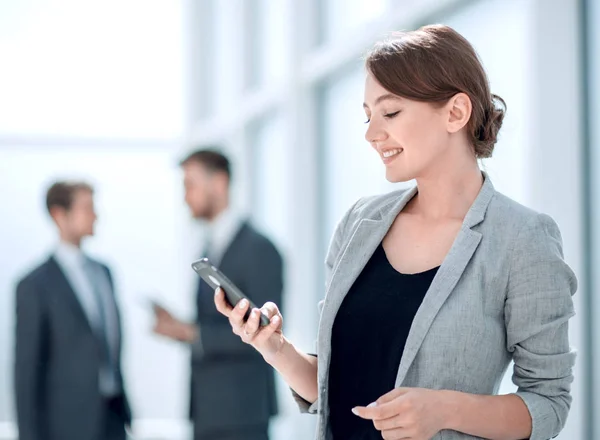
[[367, 341]]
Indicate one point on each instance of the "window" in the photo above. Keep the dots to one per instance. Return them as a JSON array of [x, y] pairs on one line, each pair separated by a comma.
[[350, 169], [338, 18], [270, 164], [592, 89], [76, 69], [266, 51]]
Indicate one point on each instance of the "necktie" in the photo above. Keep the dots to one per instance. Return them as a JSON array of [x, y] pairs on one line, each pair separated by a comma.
[[206, 250], [203, 291], [102, 324]]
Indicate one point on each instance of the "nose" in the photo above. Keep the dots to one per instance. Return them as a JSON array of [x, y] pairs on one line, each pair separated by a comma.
[[375, 134]]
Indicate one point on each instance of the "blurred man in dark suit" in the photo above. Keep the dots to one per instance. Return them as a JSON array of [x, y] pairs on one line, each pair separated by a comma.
[[68, 381], [233, 389]]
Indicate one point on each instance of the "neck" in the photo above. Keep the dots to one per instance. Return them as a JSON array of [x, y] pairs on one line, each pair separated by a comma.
[[70, 240], [449, 191], [219, 208]]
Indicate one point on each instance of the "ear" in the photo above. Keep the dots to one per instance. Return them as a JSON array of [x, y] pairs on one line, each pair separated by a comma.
[[58, 214], [459, 112], [222, 182]]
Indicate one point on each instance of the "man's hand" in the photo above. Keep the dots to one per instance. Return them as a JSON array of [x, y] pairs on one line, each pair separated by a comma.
[[170, 327]]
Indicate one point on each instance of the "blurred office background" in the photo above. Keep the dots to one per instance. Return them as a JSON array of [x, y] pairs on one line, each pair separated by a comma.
[[117, 91]]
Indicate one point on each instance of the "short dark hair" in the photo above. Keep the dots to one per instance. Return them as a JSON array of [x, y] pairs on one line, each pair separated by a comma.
[[61, 193], [210, 158]]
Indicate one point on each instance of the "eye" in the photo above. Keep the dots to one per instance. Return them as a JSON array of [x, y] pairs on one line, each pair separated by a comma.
[[391, 115]]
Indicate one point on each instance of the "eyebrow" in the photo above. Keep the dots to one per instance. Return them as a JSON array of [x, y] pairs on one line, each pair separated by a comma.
[[384, 97]]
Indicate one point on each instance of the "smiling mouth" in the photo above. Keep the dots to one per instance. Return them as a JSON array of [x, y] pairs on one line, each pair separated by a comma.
[[390, 155]]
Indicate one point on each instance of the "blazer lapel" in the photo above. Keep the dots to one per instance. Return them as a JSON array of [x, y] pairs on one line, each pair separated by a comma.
[[447, 277], [361, 246], [58, 282]]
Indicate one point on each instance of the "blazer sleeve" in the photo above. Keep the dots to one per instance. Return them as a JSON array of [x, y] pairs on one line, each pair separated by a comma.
[[537, 311], [263, 283], [333, 253], [30, 359]]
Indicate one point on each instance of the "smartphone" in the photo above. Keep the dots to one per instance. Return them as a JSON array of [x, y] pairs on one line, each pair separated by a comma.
[[215, 278]]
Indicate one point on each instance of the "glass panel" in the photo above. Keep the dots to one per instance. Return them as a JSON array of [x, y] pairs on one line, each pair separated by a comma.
[[226, 74], [201, 95], [270, 158], [140, 217], [104, 69], [338, 18], [593, 13], [350, 167], [266, 37]]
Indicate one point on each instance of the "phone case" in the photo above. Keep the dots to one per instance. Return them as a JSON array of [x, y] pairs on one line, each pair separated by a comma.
[[215, 278]]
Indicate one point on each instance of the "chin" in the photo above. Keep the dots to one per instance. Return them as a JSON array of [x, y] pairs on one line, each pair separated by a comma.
[[397, 176]]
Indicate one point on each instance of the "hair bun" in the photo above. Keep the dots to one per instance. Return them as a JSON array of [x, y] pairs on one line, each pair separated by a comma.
[[487, 135]]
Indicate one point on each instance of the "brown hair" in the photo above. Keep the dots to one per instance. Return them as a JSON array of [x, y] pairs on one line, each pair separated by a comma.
[[211, 159], [433, 64], [61, 193]]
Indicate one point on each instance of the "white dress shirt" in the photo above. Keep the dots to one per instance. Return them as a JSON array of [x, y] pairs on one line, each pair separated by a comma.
[[220, 233], [217, 238], [71, 260]]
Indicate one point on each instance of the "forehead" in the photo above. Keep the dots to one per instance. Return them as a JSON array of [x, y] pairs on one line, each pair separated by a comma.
[[194, 170], [376, 94], [83, 196], [371, 83]]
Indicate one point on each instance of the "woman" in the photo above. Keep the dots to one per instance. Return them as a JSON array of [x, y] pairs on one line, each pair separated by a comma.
[[432, 291]]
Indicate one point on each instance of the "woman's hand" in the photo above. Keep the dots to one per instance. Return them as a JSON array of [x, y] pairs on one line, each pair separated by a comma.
[[407, 413], [267, 340]]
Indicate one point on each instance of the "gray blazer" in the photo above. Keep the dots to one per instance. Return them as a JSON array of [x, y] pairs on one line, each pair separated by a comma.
[[502, 293]]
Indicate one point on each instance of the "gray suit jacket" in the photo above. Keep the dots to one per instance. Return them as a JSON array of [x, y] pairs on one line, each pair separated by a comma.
[[502, 293]]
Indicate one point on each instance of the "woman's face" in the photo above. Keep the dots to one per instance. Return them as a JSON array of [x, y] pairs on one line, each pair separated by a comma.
[[411, 137]]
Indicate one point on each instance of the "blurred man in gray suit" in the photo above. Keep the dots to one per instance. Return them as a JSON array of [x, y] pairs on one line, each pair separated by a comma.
[[68, 381], [232, 389]]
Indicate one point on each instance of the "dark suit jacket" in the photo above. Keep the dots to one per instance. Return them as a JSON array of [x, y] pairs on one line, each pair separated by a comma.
[[232, 386], [57, 361]]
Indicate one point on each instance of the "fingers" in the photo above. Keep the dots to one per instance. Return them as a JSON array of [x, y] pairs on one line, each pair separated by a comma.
[[254, 333], [385, 407], [267, 331], [395, 393], [236, 316], [252, 326], [376, 411], [392, 423], [221, 303], [270, 310]]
